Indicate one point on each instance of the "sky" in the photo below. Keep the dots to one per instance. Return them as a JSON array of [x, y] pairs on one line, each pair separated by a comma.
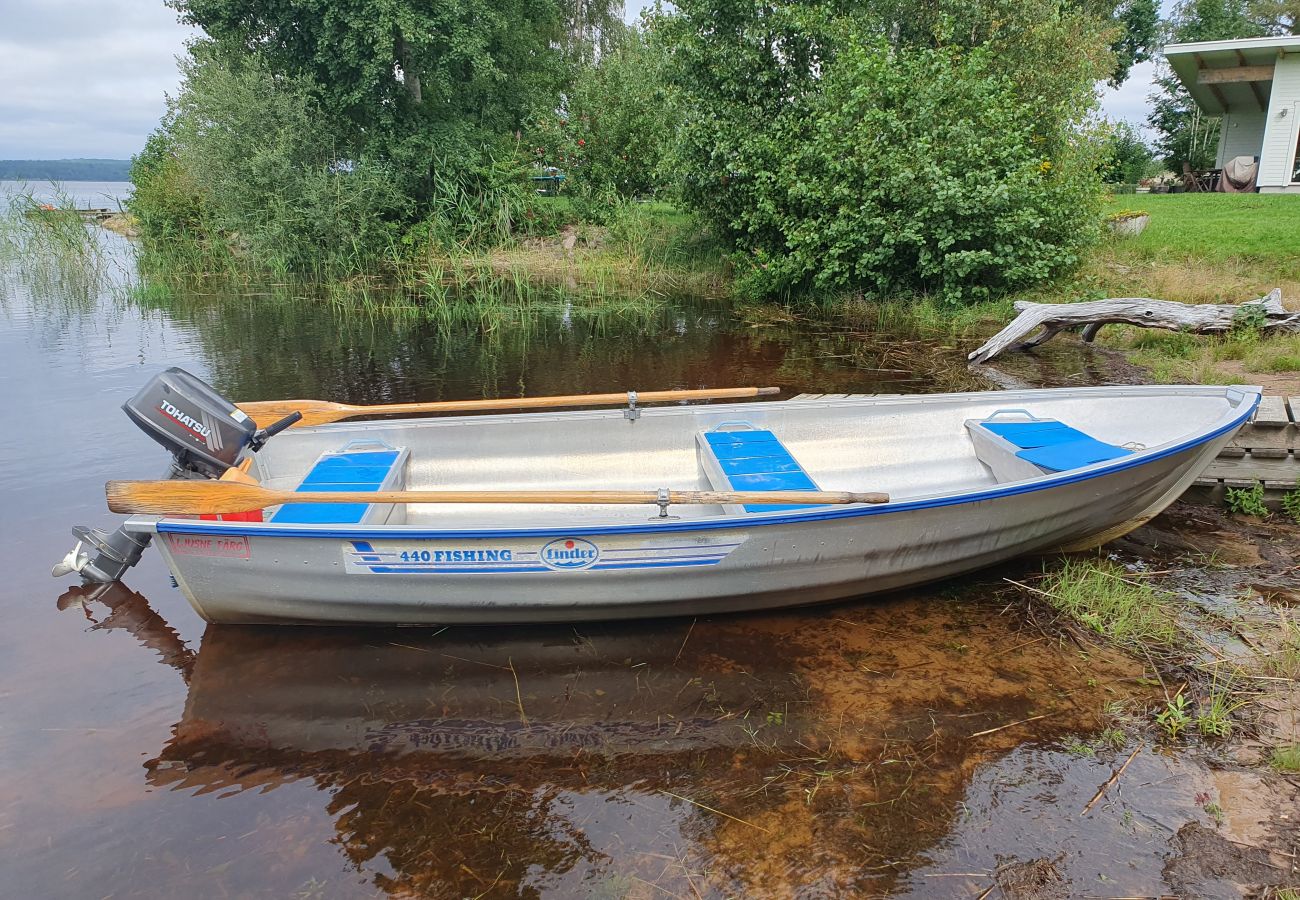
[[88, 78], [84, 78]]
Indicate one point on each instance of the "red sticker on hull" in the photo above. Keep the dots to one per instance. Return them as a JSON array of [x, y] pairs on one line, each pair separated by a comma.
[[202, 545]]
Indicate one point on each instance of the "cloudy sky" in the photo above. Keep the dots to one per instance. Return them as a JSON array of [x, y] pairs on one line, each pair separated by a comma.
[[86, 78]]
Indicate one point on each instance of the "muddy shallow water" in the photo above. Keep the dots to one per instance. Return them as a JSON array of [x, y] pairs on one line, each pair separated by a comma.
[[931, 744]]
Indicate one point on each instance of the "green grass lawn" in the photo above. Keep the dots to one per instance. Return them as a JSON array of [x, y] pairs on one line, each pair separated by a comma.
[[1206, 248], [1216, 228]]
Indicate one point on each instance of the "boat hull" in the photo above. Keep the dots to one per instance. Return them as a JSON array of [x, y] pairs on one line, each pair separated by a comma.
[[661, 568]]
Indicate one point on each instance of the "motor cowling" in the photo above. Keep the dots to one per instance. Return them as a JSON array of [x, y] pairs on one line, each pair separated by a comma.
[[204, 431]]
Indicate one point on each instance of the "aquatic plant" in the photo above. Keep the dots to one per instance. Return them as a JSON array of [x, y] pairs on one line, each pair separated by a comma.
[[1112, 738], [1291, 503], [1214, 712], [1283, 661], [52, 249], [1098, 594], [1174, 718], [1214, 811], [1285, 759]]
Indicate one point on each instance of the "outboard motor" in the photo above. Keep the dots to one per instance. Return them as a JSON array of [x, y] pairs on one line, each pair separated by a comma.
[[204, 431], [206, 434]]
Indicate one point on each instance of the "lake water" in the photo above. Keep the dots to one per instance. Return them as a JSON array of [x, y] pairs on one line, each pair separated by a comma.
[[819, 753], [82, 194]]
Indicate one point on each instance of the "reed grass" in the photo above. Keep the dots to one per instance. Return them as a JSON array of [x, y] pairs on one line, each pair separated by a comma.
[[1101, 596], [1285, 759], [1283, 659], [1214, 710], [55, 253]]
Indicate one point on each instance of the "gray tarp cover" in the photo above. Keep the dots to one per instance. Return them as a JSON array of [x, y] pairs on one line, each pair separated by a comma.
[[1239, 175]]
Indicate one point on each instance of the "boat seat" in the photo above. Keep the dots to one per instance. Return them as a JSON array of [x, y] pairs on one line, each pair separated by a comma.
[[368, 468], [752, 460], [1047, 445]]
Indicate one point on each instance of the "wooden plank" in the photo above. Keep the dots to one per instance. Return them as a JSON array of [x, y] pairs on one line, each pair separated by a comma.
[[1234, 74], [1266, 437], [807, 397], [1272, 411], [1249, 468]]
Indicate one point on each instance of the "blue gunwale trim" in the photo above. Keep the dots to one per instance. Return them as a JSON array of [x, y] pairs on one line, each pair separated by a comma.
[[815, 514]]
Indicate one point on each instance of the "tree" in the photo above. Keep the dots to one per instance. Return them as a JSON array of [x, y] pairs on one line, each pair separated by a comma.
[[617, 123], [1276, 16], [1139, 35], [978, 178], [1128, 158], [413, 84]]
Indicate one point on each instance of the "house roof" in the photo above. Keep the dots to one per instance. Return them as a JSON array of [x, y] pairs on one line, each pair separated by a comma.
[[1248, 79]]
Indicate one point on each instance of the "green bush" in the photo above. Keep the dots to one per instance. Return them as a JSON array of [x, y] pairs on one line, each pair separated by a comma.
[[1121, 188], [917, 171], [954, 158], [243, 165]]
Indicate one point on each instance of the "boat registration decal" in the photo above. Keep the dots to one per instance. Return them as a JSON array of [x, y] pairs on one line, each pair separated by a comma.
[[525, 555], [232, 547]]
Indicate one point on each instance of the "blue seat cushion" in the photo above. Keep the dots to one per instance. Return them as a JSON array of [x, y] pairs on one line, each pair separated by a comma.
[[1053, 445], [757, 461], [1028, 435], [357, 470], [1072, 454]]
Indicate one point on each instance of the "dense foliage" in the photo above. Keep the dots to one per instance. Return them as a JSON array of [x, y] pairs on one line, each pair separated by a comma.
[[249, 156], [1127, 158], [945, 154], [880, 146], [323, 136], [614, 134], [405, 81]]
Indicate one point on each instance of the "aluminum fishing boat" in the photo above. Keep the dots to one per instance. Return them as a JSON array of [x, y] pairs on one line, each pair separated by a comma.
[[973, 479]]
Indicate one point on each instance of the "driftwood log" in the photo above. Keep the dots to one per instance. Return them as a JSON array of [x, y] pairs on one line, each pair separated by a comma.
[[1054, 318]]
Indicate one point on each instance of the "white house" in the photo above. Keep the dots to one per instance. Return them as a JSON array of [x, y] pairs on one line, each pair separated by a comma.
[[1254, 84]]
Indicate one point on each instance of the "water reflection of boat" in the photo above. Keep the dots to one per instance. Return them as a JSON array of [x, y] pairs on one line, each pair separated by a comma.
[[478, 693], [515, 754], [490, 695], [749, 751]]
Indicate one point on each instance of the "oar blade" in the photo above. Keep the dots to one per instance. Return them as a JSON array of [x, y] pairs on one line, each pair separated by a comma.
[[314, 412], [161, 498]]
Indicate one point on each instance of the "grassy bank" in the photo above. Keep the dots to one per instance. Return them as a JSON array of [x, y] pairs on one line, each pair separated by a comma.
[[637, 250], [1198, 248]]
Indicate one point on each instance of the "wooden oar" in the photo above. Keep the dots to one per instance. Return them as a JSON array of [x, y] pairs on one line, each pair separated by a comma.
[[161, 498], [320, 412]]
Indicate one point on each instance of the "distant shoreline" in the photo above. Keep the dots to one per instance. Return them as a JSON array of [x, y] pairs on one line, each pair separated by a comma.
[[65, 169]]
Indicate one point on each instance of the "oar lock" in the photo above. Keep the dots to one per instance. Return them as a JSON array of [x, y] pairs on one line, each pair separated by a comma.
[[663, 497]]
